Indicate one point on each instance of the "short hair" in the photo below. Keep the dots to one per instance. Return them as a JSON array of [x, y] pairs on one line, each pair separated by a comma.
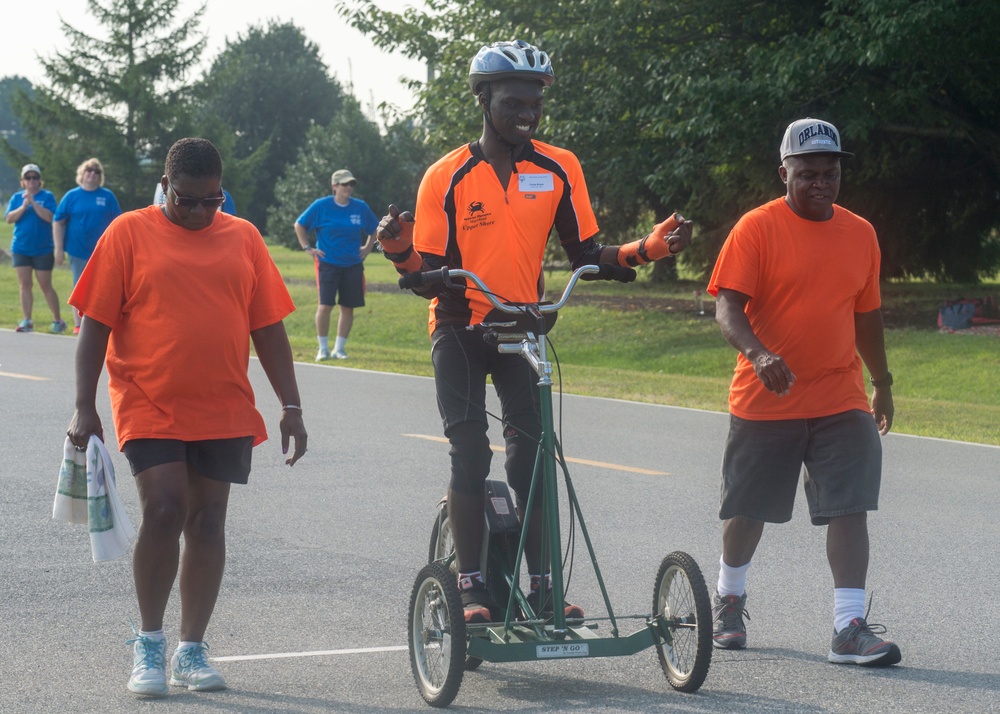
[[89, 163], [197, 158]]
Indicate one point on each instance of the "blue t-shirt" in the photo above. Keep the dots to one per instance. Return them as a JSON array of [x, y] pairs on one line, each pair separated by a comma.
[[87, 214], [32, 235], [340, 230]]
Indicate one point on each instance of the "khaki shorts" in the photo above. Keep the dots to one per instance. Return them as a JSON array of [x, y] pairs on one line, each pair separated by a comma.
[[841, 455]]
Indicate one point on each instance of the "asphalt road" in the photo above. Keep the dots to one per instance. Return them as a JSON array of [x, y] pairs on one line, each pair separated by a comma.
[[322, 558]]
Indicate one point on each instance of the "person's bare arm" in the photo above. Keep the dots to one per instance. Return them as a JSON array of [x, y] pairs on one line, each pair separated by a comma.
[[275, 355], [869, 337], [59, 238], [43, 213], [735, 325], [303, 237], [91, 351]]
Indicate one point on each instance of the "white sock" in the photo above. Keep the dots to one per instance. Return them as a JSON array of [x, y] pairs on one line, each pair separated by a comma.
[[848, 603], [324, 343], [154, 635], [185, 644], [339, 344], [732, 581]]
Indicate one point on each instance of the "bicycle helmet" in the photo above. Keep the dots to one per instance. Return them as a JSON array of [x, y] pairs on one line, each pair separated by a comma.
[[515, 59]]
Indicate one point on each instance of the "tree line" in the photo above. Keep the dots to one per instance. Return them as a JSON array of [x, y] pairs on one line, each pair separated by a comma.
[[670, 105], [281, 122]]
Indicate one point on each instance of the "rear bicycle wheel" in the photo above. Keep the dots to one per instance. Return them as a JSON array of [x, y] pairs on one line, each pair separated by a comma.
[[680, 598], [442, 546], [436, 635]]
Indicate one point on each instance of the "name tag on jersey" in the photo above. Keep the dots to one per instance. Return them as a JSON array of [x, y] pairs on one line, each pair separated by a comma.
[[535, 182]]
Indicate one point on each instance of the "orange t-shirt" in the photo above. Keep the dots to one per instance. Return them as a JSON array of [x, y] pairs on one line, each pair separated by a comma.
[[181, 305], [498, 232], [806, 280]]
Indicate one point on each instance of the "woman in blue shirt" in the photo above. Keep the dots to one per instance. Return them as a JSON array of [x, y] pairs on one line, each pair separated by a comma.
[[83, 214], [30, 210]]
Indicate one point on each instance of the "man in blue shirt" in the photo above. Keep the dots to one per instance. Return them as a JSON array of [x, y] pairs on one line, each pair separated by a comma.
[[344, 228]]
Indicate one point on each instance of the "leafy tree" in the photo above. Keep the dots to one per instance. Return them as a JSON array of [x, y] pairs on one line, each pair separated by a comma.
[[388, 168], [116, 96], [268, 86], [682, 103]]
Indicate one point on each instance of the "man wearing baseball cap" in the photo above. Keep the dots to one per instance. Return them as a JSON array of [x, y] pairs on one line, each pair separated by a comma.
[[797, 293], [344, 228], [33, 249]]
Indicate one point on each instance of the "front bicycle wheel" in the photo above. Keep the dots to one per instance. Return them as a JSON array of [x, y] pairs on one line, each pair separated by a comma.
[[436, 635], [680, 598]]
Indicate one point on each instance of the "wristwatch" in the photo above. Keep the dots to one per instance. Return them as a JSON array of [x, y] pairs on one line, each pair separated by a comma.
[[886, 381]]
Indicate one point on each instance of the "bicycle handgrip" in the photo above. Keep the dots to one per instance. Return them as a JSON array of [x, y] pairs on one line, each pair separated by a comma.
[[610, 271], [415, 280]]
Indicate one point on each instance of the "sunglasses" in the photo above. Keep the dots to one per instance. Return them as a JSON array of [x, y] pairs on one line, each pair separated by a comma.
[[190, 202], [352, 184], [92, 170], [32, 177]]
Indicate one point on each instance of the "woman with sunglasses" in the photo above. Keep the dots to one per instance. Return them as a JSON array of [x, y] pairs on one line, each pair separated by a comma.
[[172, 299], [83, 214], [32, 249]]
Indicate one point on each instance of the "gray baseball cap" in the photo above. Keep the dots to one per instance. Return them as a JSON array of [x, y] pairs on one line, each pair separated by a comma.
[[811, 136]]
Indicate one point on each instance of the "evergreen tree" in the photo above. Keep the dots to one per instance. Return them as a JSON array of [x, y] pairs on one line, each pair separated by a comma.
[[117, 96], [10, 129]]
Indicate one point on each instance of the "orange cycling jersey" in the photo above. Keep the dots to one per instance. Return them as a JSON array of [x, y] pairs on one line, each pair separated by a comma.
[[466, 218]]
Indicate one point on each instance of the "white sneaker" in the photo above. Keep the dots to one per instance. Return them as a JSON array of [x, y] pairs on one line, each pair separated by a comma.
[[149, 673], [189, 668], [340, 354], [322, 355]]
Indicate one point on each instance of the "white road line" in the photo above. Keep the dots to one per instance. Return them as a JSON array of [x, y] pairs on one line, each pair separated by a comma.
[[15, 375], [585, 462], [319, 653]]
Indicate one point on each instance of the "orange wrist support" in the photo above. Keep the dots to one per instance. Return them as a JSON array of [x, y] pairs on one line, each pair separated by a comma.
[[652, 247]]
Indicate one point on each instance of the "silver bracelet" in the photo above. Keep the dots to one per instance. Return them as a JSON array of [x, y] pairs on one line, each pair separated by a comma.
[[291, 406]]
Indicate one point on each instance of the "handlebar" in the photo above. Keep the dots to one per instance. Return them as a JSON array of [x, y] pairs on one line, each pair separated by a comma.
[[604, 271]]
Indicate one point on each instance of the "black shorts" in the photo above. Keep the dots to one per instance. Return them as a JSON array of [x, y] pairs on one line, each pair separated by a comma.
[[462, 361], [347, 283], [38, 262], [841, 453], [225, 460]]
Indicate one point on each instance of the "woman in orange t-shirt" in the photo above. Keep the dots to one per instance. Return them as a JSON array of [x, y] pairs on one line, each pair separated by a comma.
[[171, 298]]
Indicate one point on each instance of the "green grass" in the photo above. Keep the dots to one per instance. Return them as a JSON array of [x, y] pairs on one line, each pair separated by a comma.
[[651, 347]]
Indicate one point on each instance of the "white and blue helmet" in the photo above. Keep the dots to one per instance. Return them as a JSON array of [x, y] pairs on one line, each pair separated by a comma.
[[515, 59]]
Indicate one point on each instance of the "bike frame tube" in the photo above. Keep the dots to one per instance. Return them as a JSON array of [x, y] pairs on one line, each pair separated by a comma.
[[534, 351]]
